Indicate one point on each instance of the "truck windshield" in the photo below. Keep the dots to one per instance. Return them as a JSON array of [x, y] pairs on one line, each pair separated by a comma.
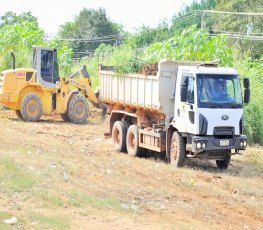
[[218, 91]]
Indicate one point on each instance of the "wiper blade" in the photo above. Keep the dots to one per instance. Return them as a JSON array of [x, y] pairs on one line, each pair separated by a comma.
[[233, 105], [214, 105]]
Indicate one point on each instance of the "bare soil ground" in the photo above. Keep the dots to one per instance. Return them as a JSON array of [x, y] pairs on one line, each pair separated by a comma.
[[57, 175]]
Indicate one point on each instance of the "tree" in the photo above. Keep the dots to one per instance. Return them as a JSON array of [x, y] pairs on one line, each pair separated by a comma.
[[144, 36], [19, 33], [89, 25], [10, 18]]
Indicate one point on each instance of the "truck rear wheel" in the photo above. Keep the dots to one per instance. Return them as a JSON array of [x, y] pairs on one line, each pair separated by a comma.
[[223, 164], [31, 107], [132, 141], [78, 109], [119, 132], [177, 150]]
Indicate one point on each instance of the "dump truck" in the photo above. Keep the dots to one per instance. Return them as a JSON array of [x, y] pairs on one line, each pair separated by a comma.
[[40, 90], [188, 110]]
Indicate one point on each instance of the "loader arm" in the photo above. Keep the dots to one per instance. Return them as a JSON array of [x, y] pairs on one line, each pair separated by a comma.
[[83, 85]]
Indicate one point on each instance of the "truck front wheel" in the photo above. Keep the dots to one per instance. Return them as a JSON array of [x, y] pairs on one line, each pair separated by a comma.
[[119, 132], [132, 141], [223, 164], [177, 150]]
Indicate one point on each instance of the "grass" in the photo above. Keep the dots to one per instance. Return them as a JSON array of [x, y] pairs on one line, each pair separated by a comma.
[[80, 199], [39, 221], [4, 216], [49, 199], [13, 176]]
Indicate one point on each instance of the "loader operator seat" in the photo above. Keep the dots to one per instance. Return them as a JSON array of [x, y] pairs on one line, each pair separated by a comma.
[[49, 66]]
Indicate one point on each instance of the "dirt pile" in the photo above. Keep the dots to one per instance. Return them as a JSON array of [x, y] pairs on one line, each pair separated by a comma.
[[149, 69]]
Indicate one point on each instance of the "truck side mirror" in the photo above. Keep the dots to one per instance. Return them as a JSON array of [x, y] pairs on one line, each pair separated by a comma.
[[247, 95], [184, 86], [247, 90], [246, 83]]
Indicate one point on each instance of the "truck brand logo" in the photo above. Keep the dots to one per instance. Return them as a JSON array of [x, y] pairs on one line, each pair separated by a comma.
[[225, 117]]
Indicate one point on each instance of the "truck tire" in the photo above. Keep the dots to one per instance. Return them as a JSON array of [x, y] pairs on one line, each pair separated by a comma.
[[177, 150], [223, 164], [78, 109], [18, 114], [64, 117], [132, 141], [31, 107], [119, 132]]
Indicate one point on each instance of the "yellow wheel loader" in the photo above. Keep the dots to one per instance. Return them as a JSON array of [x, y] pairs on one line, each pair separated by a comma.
[[40, 90]]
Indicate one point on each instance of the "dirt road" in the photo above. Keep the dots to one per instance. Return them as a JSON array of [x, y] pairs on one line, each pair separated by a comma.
[[58, 175]]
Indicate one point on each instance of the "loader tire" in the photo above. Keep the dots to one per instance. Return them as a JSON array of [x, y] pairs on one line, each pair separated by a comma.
[[177, 150], [78, 109], [223, 164], [119, 132], [132, 142], [31, 107], [18, 114], [64, 117]]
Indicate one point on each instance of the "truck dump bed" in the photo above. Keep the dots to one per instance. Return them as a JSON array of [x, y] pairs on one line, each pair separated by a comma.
[[152, 93]]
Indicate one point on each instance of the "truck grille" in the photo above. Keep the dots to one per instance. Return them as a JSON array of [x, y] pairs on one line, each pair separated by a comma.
[[224, 132]]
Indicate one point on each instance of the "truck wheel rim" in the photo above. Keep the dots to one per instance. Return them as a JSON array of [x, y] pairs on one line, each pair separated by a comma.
[[174, 150], [132, 141], [32, 108], [117, 136], [79, 110]]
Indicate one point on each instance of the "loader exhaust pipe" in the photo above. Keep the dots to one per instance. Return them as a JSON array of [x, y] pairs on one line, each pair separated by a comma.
[[13, 60]]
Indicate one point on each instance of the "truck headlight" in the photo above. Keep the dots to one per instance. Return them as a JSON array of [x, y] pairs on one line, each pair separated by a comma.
[[245, 143], [203, 145], [198, 145], [241, 144]]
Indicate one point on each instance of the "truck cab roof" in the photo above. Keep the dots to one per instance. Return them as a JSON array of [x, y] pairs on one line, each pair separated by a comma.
[[195, 67]]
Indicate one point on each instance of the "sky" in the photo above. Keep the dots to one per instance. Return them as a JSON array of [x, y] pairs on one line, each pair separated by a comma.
[[130, 13]]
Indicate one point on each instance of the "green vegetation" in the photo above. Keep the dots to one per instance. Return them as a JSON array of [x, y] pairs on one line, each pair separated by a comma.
[[84, 200], [94, 39], [193, 45], [14, 177], [18, 35], [49, 222]]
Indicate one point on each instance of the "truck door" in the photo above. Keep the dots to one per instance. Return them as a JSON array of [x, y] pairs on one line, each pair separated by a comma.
[[190, 105], [185, 112]]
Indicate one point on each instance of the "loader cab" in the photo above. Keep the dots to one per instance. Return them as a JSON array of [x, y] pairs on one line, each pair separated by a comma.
[[46, 65]]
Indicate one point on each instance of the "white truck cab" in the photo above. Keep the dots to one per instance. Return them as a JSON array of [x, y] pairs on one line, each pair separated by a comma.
[[208, 109]]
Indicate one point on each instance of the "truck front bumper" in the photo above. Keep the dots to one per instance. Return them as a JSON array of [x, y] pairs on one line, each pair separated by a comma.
[[210, 143]]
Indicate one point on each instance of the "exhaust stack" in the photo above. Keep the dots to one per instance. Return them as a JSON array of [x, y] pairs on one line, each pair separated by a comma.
[[13, 60]]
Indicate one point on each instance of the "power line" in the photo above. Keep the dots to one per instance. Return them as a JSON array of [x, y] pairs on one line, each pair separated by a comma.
[[231, 12]]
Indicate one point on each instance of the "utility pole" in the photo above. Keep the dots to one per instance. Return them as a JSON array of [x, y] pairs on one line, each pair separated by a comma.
[[202, 19]]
